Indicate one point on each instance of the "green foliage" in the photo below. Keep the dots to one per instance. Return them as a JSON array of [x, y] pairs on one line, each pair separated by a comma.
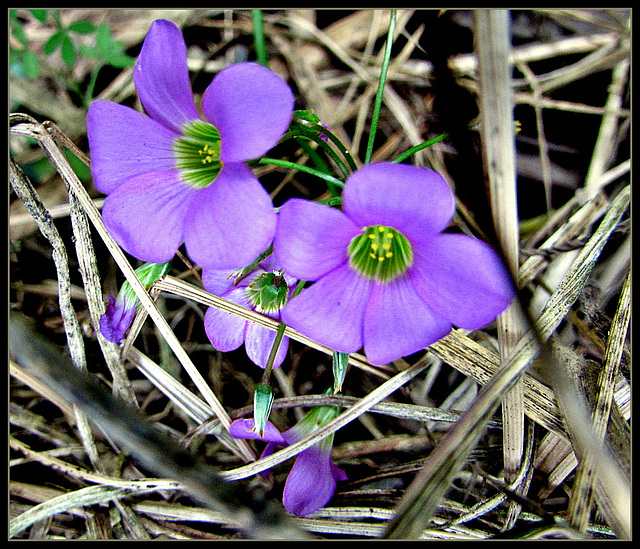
[[107, 49], [26, 63]]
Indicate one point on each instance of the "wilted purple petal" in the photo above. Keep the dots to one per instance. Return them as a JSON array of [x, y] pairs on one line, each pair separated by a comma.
[[398, 323], [116, 319], [332, 310], [251, 107], [232, 222], [411, 199], [244, 428], [146, 214], [161, 76], [225, 330], [311, 239], [125, 143], [463, 279], [311, 482]]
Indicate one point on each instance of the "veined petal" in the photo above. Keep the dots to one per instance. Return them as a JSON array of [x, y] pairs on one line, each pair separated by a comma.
[[397, 322], [226, 331], [146, 215], [125, 143], [311, 482], [258, 343], [331, 311], [463, 279], [232, 222], [311, 239], [411, 199], [161, 76], [251, 107]]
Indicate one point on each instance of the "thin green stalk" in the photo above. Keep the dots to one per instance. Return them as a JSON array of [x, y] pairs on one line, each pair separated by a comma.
[[258, 37], [381, 83], [421, 146], [294, 166]]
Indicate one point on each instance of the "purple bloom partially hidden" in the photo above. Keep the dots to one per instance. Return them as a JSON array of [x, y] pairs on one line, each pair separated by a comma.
[[313, 477], [386, 277], [266, 289], [173, 176], [118, 317]]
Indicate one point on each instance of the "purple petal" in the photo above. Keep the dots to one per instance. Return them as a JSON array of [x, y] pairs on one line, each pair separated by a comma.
[[226, 331], [218, 282], [311, 482], [161, 76], [232, 222], [258, 343], [251, 107], [397, 322], [243, 428], [311, 239], [146, 215], [125, 143], [116, 319], [411, 199], [331, 311], [463, 279]]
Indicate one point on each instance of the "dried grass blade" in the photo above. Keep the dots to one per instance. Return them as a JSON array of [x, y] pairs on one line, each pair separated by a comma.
[[91, 495], [581, 499], [493, 42]]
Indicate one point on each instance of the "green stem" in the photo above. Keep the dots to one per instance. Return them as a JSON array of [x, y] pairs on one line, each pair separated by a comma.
[[421, 146], [306, 169], [273, 353], [258, 37], [381, 83]]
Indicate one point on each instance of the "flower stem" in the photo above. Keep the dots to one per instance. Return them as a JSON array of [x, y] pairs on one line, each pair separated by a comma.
[[258, 37], [381, 83], [294, 166], [421, 146], [273, 353]]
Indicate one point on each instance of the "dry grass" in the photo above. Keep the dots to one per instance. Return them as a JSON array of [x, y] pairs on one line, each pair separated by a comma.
[[519, 430]]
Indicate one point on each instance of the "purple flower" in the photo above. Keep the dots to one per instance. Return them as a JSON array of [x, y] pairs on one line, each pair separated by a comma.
[[121, 311], [386, 277], [118, 317], [313, 477], [266, 289], [175, 176]]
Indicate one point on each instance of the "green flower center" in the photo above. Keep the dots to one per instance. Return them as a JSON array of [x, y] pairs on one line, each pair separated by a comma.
[[380, 253], [197, 154], [268, 293]]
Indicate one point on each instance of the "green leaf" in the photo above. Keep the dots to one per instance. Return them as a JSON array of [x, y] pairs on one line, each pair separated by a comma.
[[103, 38], [18, 31], [68, 52], [82, 27], [40, 15], [30, 64], [54, 42], [120, 61]]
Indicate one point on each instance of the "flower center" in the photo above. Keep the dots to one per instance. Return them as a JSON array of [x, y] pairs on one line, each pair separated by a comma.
[[197, 154], [268, 293], [380, 253]]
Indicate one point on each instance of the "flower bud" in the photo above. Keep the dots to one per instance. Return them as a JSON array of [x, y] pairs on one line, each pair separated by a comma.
[[262, 402], [121, 310]]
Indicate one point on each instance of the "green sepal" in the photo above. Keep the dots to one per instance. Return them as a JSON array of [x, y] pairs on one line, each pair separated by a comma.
[[262, 403], [268, 292], [340, 365]]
